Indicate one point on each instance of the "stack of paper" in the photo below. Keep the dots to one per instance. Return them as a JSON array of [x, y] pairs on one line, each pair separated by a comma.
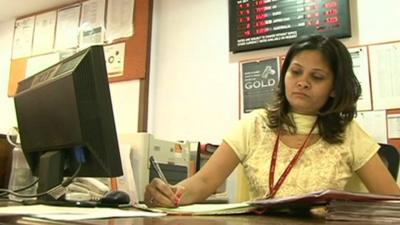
[[341, 205], [379, 211]]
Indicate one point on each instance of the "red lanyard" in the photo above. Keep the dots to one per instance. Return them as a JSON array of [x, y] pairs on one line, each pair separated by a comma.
[[273, 189]]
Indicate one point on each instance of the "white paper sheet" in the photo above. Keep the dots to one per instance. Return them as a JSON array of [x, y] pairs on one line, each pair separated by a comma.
[[374, 123], [119, 19], [360, 67], [43, 37], [393, 121], [67, 31], [23, 36], [385, 79], [92, 23], [74, 213]]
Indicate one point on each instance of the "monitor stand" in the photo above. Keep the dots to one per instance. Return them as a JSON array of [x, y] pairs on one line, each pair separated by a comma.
[[51, 168]]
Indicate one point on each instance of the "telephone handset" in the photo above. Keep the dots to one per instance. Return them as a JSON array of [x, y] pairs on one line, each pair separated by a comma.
[[86, 189]]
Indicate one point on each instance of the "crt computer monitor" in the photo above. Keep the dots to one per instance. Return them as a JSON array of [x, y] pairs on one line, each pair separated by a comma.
[[65, 111]]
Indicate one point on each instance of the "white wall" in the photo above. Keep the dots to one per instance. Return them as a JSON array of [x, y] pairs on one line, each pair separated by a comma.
[[194, 87], [7, 112], [125, 98], [378, 22]]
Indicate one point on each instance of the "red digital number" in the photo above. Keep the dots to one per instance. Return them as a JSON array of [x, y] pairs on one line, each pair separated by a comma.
[[331, 12], [244, 12], [260, 24], [260, 10], [243, 6], [261, 16], [331, 4], [244, 19], [262, 31], [332, 20], [260, 3]]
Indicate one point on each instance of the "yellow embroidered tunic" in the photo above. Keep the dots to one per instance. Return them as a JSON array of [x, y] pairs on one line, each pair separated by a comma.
[[321, 166]]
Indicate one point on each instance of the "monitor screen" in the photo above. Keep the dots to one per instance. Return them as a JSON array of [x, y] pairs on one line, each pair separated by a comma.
[[65, 119]]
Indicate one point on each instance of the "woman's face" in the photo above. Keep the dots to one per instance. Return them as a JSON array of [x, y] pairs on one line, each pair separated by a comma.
[[309, 82]]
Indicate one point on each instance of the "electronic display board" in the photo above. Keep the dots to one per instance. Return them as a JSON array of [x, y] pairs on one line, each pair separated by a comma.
[[260, 24]]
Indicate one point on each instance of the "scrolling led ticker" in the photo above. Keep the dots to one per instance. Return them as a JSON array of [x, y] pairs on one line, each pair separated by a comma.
[[258, 24]]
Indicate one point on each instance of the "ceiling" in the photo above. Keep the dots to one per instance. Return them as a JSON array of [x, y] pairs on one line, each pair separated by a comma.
[[12, 9]]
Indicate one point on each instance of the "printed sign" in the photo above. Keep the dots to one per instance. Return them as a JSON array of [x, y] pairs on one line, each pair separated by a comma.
[[259, 81]]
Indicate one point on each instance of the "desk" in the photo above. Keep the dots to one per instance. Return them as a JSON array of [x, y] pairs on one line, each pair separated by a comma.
[[190, 220], [183, 220]]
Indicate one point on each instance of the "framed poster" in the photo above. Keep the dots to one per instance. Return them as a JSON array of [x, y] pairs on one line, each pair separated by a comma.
[[259, 24], [258, 82]]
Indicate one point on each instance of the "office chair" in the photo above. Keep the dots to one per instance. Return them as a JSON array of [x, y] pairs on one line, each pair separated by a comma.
[[391, 157]]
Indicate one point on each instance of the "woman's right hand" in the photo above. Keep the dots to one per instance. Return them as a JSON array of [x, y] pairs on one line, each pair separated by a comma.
[[160, 194]]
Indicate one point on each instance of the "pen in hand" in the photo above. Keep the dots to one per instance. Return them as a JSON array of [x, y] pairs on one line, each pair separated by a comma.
[[179, 190], [158, 170]]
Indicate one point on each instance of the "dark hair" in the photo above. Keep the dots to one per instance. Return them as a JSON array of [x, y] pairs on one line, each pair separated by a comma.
[[338, 111]]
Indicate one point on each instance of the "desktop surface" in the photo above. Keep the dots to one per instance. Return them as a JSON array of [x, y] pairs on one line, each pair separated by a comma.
[[183, 220], [192, 220]]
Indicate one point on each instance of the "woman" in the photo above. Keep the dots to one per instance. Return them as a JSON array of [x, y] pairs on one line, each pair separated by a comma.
[[307, 141]]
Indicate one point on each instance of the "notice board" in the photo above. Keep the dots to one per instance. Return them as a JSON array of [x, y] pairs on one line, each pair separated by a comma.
[[136, 55]]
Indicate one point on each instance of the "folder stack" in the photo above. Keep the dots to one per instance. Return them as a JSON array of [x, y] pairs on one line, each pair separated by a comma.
[[377, 211]]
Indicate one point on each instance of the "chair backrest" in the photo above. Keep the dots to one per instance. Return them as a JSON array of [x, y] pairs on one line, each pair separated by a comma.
[[391, 157]]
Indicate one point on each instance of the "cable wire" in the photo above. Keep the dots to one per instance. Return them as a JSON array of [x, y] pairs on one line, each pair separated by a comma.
[[65, 183]]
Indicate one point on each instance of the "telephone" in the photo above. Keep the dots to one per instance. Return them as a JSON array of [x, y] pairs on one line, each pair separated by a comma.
[[86, 189]]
